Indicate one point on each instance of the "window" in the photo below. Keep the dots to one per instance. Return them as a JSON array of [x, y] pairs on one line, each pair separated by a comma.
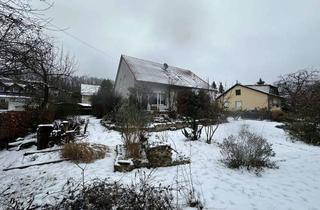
[[238, 105], [15, 89], [163, 100], [226, 104], [275, 102], [2, 89], [154, 98], [238, 92], [3, 104], [158, 99]]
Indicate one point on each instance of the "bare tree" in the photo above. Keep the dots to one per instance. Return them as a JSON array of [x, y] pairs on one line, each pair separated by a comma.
[[294, 87], [26, 52], [20, 24], [302, 93]]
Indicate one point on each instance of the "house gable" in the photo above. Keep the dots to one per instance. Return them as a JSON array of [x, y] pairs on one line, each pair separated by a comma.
[[240, 97], [125, 79]]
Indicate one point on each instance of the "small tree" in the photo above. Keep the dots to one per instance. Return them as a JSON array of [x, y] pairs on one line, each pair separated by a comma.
[[260, 82], [216, 115], [193, 106], [221, 88], [295, 87], [301, 91], [214, 85], [105, 102]]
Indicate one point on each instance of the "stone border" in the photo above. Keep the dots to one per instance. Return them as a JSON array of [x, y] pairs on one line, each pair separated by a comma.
[[157, 127]]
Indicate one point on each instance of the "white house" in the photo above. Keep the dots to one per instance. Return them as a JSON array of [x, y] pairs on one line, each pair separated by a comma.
[[158, 82], [87, 91], [14, 96]]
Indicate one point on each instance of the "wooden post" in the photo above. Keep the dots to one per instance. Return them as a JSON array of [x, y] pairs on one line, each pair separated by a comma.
[[43, 134], [86, 126]]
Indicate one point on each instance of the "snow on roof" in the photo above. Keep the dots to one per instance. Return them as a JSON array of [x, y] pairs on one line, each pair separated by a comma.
[[8, 84], [21, 85], [84, 104], [262, 88], [14, 96], [89, 90], [149, 71]]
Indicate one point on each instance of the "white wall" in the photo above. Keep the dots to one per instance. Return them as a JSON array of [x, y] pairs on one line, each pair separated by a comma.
[[124, 80]]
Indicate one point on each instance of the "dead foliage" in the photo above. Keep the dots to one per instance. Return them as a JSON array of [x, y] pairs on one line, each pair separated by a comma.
[[106, 195], [84, 152]]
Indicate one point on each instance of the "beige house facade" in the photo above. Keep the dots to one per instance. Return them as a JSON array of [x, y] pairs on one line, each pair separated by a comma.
[[250, 97]]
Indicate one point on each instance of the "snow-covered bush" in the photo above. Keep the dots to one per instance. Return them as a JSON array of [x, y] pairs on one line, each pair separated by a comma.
[[248, 150], [83, 152]]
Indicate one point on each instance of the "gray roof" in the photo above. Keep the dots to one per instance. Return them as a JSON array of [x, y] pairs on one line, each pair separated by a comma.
[[149, 71], [269, 89], [262, 88]]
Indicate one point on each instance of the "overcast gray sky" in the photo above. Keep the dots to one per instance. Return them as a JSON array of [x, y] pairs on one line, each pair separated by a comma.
[[222, 40]]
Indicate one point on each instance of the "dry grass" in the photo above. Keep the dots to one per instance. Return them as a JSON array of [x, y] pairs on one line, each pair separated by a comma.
[[133, 150], [84, 152]]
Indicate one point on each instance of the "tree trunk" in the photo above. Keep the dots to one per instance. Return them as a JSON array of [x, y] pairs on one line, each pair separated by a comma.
[[45, 97], [45, 89]]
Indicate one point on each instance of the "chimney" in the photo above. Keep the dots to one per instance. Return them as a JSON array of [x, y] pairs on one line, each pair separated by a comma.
[[165, 66]]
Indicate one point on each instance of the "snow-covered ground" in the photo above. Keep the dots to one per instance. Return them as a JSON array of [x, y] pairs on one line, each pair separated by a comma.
[[295, 185]]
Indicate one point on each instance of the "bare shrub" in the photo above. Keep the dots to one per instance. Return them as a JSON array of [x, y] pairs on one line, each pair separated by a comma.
[[278, 115], [247, 149], [194, 201], [194, 133], [102, 194], [84, 152], [210, 131], [307, 132], [132, 122], [301, 91]]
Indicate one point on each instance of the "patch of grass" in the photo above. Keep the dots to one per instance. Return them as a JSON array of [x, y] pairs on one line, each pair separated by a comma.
[[84, 152]]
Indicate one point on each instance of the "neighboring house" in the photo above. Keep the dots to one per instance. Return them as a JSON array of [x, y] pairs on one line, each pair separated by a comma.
[[250, 97], [14, 96], [156, 83], [87, 91]]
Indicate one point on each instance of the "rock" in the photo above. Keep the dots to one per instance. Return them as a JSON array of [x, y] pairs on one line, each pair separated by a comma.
[[159, 155]]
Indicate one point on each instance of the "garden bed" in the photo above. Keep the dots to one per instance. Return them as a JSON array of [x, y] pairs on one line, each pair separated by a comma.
[[155, 156], [159, 126]]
